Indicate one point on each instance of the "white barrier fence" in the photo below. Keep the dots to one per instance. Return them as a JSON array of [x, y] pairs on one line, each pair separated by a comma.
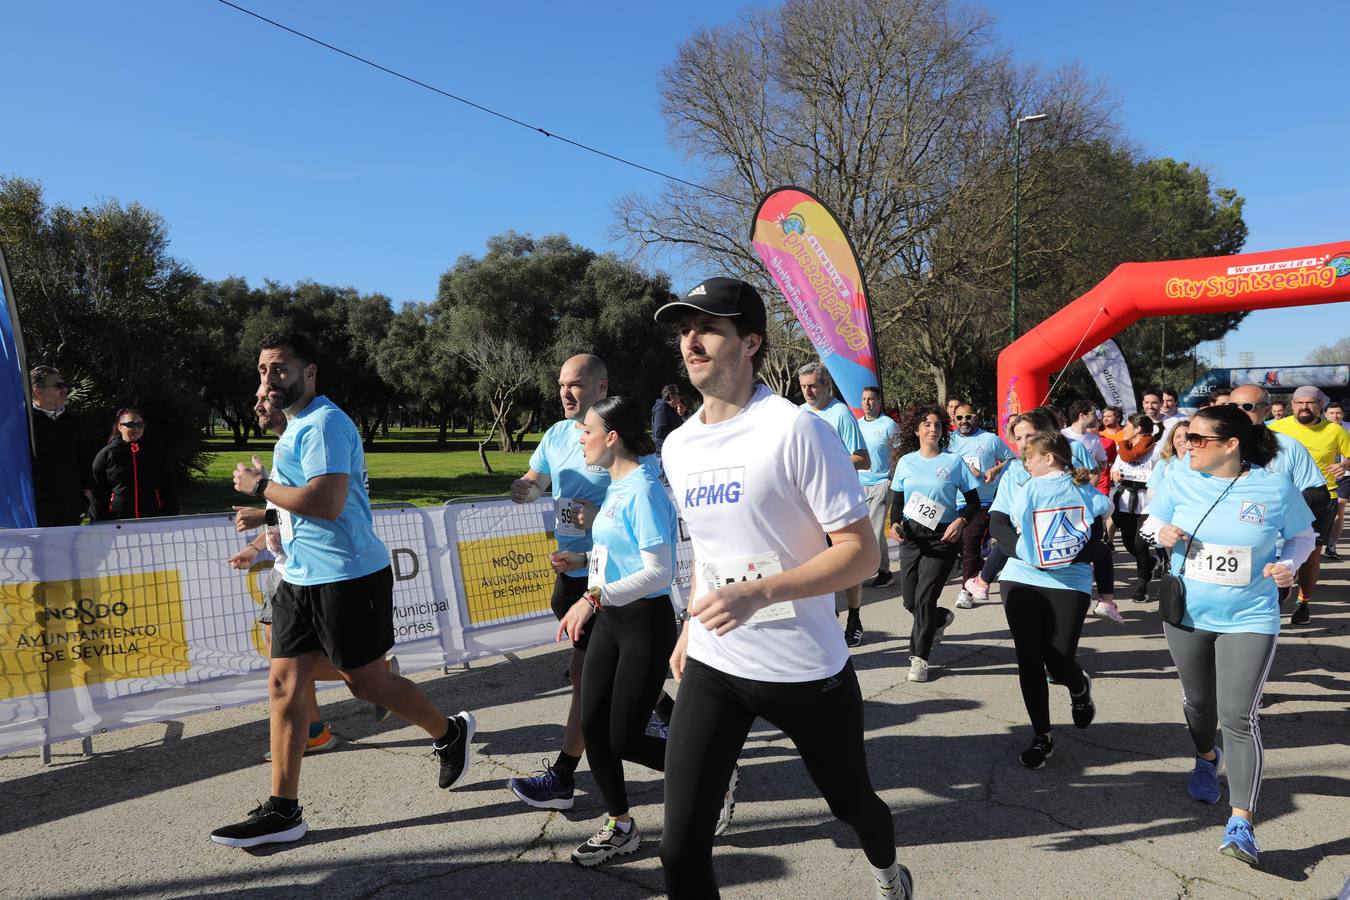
[[115, 625]]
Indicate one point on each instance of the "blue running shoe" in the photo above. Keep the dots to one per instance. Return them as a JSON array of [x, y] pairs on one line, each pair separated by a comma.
[[1239, 842], [544, 790], [1204, 784]]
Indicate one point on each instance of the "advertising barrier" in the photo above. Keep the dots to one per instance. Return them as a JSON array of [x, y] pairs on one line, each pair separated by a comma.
[[120, 624]]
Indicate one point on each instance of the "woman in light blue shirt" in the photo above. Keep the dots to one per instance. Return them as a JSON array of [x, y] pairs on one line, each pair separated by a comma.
[[1049, 528], [630, 567], [927, 481], [1223, 517]]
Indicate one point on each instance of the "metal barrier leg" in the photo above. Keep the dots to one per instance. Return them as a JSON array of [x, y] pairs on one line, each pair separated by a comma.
[[87, 746], [46, 754]]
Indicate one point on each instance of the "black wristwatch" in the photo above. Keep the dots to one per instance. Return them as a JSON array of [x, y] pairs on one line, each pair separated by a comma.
[[261, 486]]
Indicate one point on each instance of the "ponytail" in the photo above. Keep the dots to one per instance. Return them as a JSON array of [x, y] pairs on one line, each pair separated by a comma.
[[1260, 447], [1057, 445]]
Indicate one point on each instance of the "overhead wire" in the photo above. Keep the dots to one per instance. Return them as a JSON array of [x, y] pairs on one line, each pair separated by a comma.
[[479, 106]]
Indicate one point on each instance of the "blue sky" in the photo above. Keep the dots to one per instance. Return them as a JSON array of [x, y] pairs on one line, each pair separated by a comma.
[[270, 157]]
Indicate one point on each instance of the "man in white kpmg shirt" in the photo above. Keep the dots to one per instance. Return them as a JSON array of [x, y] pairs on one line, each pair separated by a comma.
[[759, 484]]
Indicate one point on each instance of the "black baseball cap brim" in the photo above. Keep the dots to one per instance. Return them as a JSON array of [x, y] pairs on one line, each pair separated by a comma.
[[728, 297]]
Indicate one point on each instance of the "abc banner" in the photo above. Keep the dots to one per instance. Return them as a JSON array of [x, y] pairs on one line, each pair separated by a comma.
[[813, 263]]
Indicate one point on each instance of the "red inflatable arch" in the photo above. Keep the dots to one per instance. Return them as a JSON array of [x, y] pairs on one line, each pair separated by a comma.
[[1303, 276]]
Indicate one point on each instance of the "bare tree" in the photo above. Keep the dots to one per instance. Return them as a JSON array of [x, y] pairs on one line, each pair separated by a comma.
[[899, 115], [1331, 354], [502, 370]]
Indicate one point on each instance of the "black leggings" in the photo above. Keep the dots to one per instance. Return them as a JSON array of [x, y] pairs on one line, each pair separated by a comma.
[[1103, 566], [1136, 546], [1045, 624], [925, 564], [713, 715], [625, 668]]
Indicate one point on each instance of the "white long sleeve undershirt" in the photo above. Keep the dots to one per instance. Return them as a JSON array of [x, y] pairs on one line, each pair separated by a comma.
[[656, 574]]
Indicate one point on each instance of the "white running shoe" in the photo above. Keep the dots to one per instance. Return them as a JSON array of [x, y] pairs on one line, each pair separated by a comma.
[[978, 589], [898, 885], [609, 842], [964, 600], [728, 804], [918, 669]]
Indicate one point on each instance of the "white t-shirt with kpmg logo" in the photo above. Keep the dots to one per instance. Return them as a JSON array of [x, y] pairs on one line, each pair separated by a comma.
[[765, 487]]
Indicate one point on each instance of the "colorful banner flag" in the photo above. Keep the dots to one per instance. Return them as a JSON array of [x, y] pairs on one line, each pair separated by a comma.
[[1107, 366], [18, 508], [814, 264]]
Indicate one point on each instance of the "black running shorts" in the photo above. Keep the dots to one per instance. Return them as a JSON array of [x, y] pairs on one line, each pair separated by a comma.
[[567, 590], [351, 621]]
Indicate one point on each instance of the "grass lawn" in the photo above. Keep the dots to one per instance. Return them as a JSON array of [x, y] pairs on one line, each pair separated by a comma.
[[405, 467]]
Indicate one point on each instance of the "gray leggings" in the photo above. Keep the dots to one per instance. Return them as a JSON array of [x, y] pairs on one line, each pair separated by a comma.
[[1221, 680]]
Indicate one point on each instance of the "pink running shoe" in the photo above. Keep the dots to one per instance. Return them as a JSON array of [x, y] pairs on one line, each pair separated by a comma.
[[977, 587], [1109, 610]]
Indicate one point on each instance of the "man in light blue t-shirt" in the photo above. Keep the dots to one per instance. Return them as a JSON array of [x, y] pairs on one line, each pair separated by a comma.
[[336, 596], [879, 432], [818, 393], [986, 456]]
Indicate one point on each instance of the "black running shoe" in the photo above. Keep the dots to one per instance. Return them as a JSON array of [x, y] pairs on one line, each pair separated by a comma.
[[948, 617], [882, 580], [454, 755], [1301, 615], [1084, 710], [1331, 553], [264, 825], [853, 631], [1042, 748]]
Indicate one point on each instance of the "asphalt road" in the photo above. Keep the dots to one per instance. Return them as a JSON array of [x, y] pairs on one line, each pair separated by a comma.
[[1108, 817]]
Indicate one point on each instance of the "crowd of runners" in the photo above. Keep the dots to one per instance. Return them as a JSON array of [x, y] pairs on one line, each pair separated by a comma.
[[1225, 513]]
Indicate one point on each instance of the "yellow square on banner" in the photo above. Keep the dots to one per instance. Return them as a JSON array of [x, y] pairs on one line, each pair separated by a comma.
[[507, 578], [65, 634]]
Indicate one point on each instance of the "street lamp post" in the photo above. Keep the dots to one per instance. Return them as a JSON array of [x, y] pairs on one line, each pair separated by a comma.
[[1017, 192]]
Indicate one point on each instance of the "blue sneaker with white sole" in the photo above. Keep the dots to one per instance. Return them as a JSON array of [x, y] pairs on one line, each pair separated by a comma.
[[1204, 785], [1239, 842], [544, 790]]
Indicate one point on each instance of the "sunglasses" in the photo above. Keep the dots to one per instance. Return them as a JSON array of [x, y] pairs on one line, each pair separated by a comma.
[[1200, 441], [963, 418], [1248, 407], [136, 424]]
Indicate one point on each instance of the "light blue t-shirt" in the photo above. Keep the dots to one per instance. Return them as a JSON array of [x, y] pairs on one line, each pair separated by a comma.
[[1161, 466], [322, 440], [1261, 509], [1295, 461], [559, 457], [637, 515], [841, 420], [942, 478], [879, 436], [985, 450], [1082, 457], [1053, 517]]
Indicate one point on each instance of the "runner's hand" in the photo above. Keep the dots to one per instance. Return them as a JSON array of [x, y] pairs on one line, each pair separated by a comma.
[[246, 478], [990, 475], [1283, 575], [1337, 470], [584, 513], [243, 560], [565, 561], [954, 529], [525, 490], [248, 518], [575, 620], [897, 533], [680, 653], [727, 608], [1168, 535]]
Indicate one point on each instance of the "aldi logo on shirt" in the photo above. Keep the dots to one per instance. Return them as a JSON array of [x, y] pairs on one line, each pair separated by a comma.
[[714, 487], [1252, 513], [1060, 534]]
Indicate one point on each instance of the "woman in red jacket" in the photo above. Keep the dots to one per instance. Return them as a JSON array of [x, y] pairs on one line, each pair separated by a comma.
[[134, 477]]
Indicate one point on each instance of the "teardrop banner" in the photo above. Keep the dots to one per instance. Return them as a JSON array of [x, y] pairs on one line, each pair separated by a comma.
[[813, 262]]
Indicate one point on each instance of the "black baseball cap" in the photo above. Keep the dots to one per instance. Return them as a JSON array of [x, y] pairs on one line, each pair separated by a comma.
[[720, 297]]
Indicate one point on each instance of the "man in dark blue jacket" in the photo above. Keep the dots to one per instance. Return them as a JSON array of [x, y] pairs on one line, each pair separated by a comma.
[[666, 416]]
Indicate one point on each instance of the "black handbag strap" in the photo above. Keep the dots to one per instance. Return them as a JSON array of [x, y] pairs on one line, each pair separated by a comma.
[[1190, 540]]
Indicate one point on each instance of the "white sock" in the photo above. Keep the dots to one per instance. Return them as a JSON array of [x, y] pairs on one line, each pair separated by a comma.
[[887, 875]]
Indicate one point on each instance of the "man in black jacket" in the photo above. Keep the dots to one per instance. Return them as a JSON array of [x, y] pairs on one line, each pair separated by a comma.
[[62, 473], [666, 416]]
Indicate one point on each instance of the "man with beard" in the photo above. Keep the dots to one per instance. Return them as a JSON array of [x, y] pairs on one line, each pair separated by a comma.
[[63, 477], [986, 456], [558, 466], [879, 432], [759, 484], [1327, 442], [336, 597]]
